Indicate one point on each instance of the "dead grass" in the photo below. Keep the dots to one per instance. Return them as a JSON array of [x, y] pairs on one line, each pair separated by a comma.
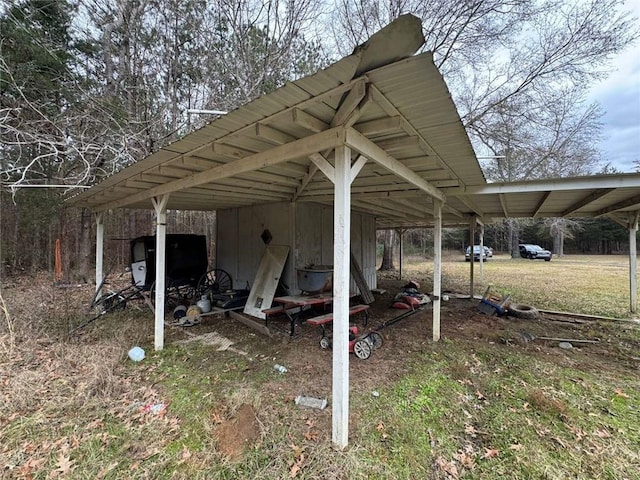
[[590, 285], [469, 406]]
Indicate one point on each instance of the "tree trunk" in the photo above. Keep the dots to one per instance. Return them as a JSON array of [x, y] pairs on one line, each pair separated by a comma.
[[85, 245], [387, 252], [514, 238]]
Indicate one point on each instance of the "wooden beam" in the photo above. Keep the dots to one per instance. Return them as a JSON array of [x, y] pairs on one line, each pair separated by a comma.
[[341, 272], [592, 197], [541, 203], [309, 122], [437, 267], [470, 205], [380, 126], [633, 262], [629, 202], [305, 146], [272, 135], [99, 252], [344, 114], [324, 166], [160, 206], [503, 204], [357, 167], [366, 147]]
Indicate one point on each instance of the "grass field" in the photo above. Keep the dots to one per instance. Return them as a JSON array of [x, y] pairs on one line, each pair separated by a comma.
[[586, 284], [475, 405]]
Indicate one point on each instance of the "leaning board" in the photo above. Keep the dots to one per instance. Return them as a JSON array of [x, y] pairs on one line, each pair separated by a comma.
[[266, 281]]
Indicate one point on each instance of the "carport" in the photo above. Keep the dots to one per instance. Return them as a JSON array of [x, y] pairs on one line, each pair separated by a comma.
[[376, 132]]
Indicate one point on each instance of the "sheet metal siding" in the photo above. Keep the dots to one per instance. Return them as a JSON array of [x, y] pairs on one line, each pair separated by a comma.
[[227, 243]]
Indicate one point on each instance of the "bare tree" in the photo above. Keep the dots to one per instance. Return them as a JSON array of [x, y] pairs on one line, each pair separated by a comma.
[[518, 71]]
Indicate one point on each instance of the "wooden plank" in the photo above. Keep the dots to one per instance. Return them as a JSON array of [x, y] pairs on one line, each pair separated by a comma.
[[250, 323], [266, 281], [361, 282], [280, 154], [341, 245], [366, 147]]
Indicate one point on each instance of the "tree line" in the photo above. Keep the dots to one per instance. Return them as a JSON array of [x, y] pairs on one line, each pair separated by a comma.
[[87, 87]]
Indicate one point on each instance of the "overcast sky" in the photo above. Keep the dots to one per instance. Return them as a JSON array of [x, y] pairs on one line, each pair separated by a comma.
[[619, 96]]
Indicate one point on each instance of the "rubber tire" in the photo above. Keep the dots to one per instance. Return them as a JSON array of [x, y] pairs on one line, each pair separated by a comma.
[[547, 259], [525, 312], [325, 343], [362, 349], [376, 340]]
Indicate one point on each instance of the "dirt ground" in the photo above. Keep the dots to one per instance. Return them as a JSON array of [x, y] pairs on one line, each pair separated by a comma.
[[309, 366]]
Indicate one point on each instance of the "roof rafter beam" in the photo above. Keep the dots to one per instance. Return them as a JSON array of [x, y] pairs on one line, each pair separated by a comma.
[[380, 126], [470, 205], [350, 108], [629, 202], [283, 153], [307, 121], [541, 203], [272, 135], [391, 110], [348, 113], [566, 183], [366, 147], [503, 204], [592, 197]]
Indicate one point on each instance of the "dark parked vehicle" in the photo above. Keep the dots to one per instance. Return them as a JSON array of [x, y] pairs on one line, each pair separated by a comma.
[[476, 253], [534, 252]]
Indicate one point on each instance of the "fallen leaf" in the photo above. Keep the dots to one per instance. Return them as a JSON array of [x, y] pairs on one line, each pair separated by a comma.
[[602, 433], [309, 423], [380, 426], [65, 464], [294, 470], [97, 423], [470, 430], [448, 467], [620, 393], [105, 470], [490, 453], [311, 436], [297, 451], [186, 453], [525, 406], [465, 460], [479, 395], [516, 446]]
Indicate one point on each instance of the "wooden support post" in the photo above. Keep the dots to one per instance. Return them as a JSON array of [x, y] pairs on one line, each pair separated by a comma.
[[99, 251], [341, 263], [633, 262], [400, 232], [481, 252], [437, 266], [472, 239], [160, 206]]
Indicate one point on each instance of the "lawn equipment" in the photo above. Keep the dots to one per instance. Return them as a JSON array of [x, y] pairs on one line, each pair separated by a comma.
[[362, 346]]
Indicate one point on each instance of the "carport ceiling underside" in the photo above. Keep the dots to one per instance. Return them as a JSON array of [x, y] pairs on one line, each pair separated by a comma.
[[395, 113]]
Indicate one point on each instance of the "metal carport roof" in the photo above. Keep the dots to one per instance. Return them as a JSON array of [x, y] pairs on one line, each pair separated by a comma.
[[375, 132]]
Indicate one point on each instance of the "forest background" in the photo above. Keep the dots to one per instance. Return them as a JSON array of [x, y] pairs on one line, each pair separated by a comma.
[[87, 87]]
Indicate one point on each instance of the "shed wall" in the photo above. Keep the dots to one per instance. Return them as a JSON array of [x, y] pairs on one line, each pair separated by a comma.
[[307, 227]]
